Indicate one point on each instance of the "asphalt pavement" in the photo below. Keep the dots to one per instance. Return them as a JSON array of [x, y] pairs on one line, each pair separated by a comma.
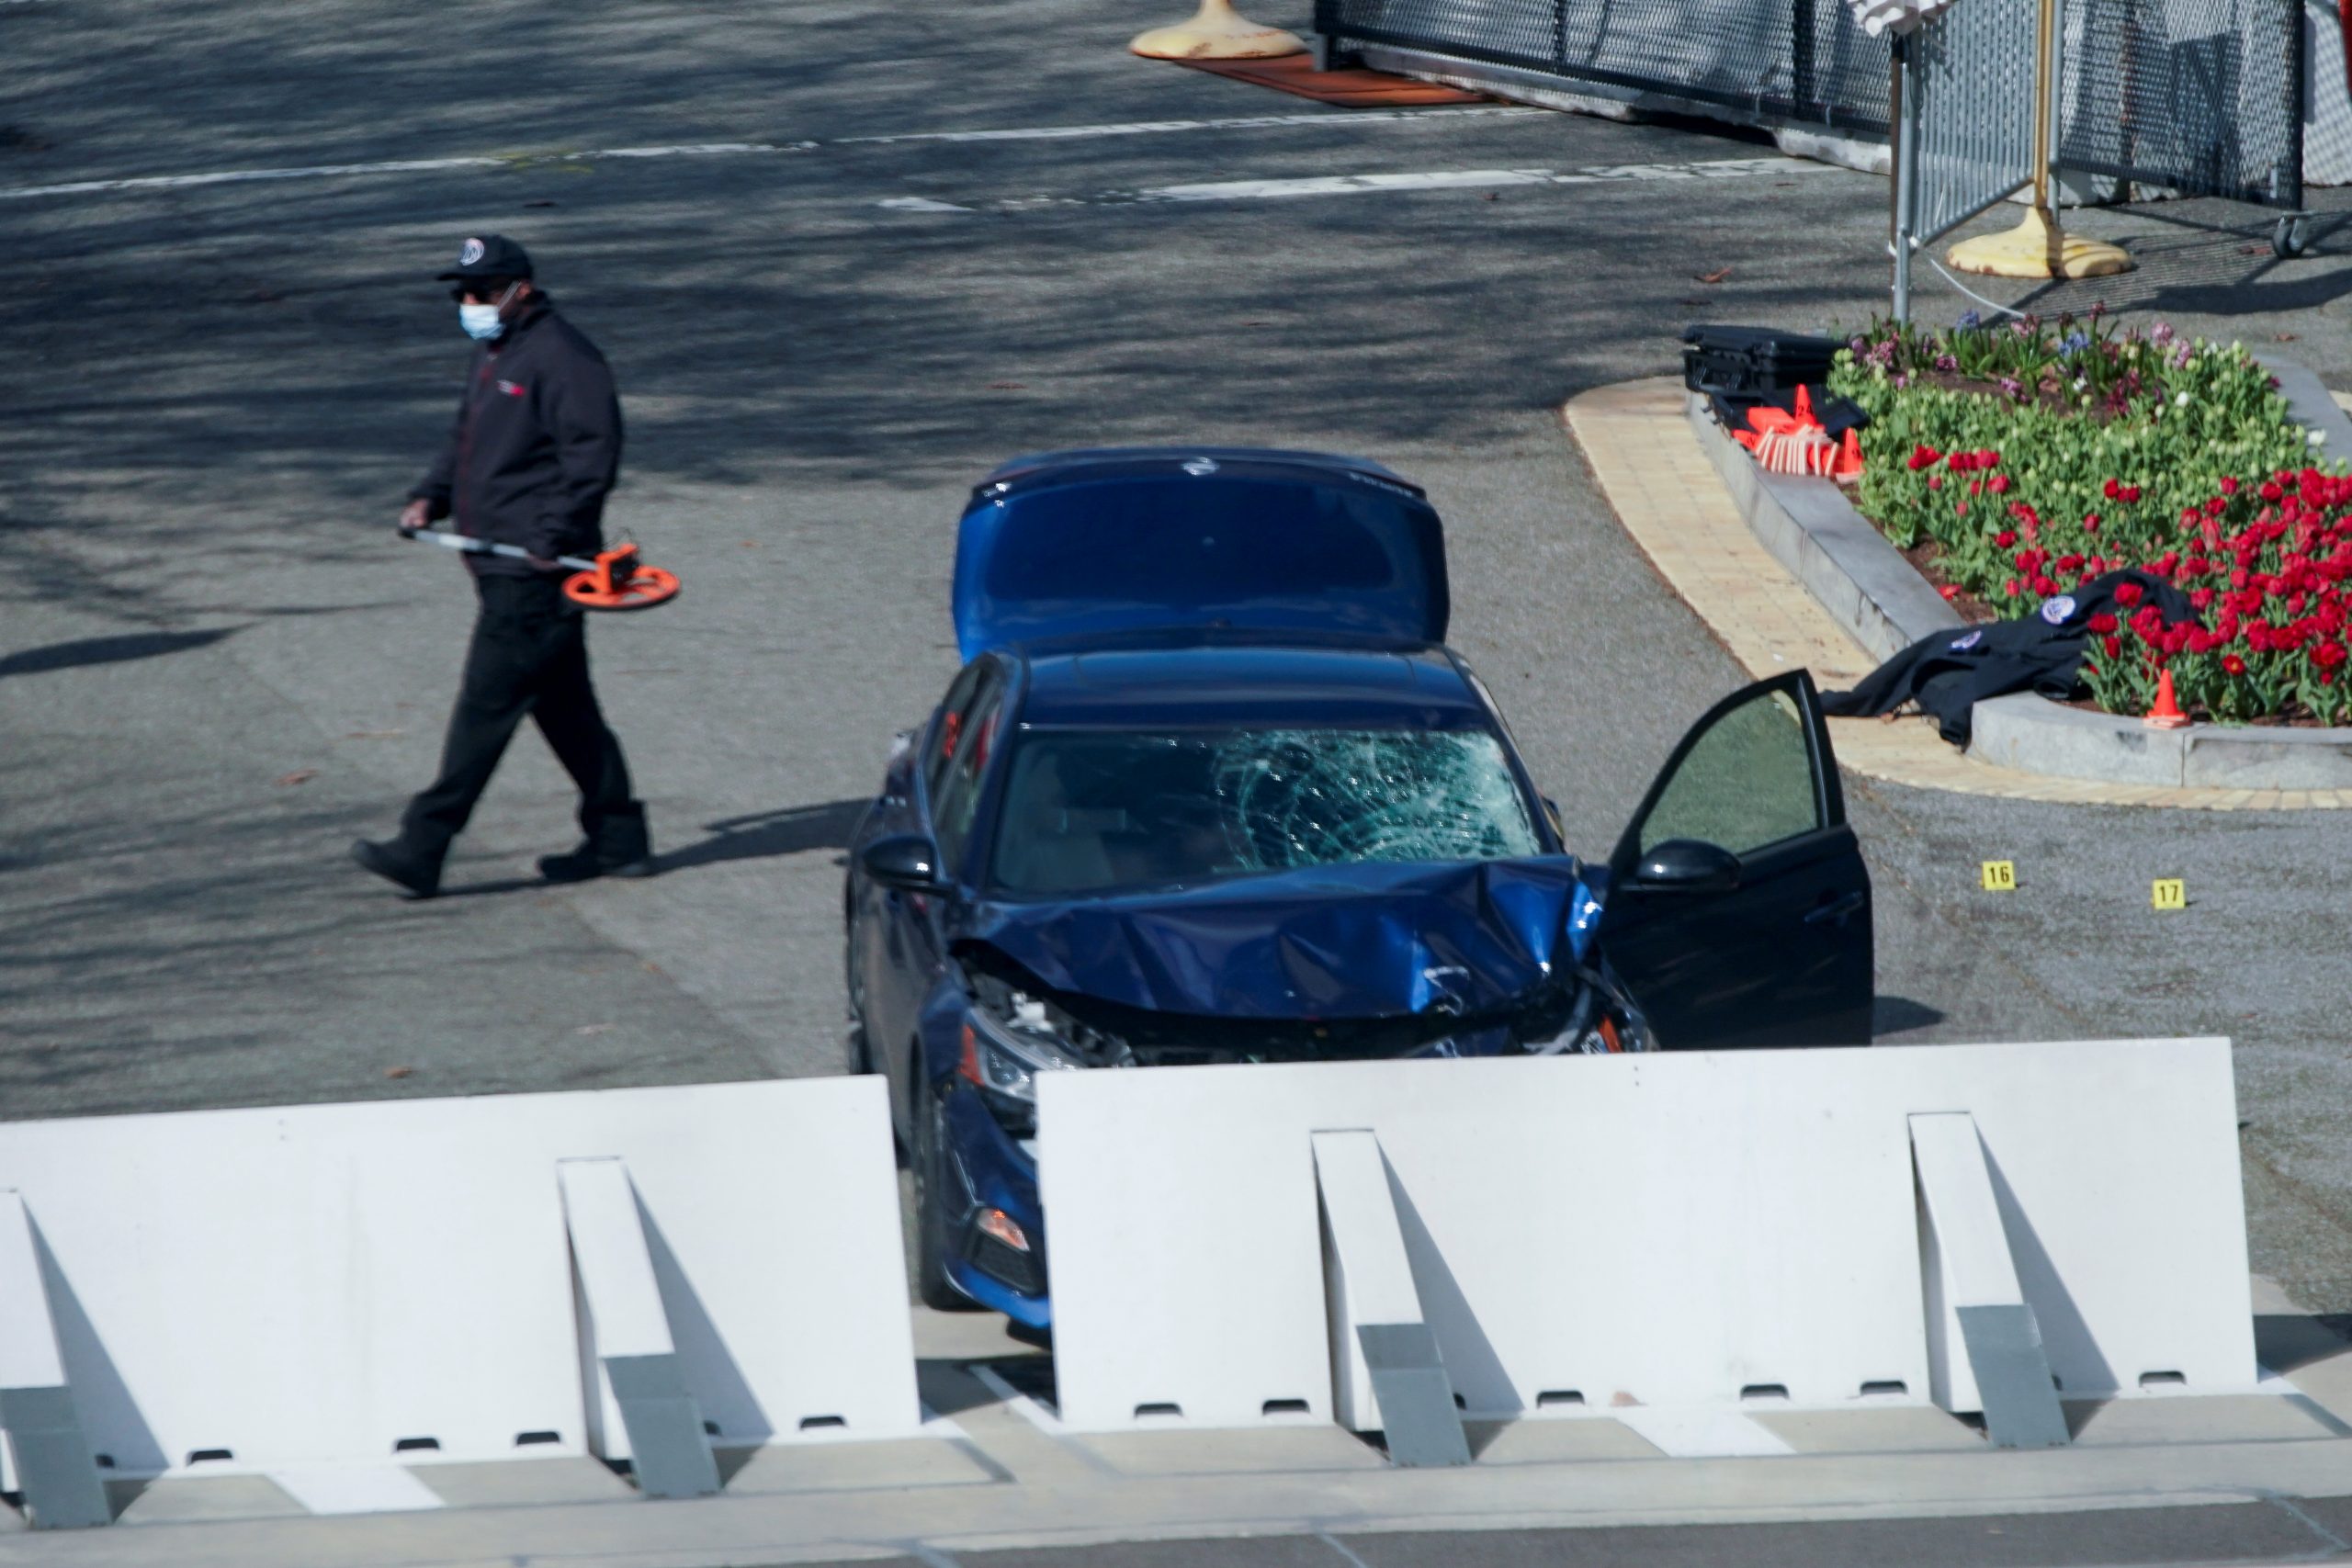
[[2237, 1533], [831, 309]]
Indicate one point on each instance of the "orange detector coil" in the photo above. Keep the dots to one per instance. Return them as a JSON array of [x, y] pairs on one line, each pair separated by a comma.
[[620, 581]]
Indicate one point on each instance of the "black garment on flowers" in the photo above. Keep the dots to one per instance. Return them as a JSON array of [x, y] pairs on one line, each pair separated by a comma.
[[1949, 673]]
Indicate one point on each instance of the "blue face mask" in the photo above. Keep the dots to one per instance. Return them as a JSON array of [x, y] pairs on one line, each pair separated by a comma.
[[481, 323]]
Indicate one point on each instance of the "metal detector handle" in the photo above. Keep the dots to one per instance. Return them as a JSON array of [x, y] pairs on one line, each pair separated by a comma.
[[473, 547]]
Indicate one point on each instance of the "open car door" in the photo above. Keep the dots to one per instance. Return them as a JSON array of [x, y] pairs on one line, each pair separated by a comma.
[[1738, 910]]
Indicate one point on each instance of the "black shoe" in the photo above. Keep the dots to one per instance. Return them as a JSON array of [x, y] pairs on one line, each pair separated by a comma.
[[616, 845], [587, 862], [412, 878]]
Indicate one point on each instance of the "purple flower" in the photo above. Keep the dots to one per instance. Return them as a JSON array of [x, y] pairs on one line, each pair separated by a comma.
[[1969, 320], [2010, 385], [2161, 333], [1946, 363]]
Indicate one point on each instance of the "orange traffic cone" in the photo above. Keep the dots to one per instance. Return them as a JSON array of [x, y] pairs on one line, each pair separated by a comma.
[[2166, 714], [1850, 457]]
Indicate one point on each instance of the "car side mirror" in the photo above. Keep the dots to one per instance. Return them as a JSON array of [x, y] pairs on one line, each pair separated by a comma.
[[1686, 865], [907, 862]]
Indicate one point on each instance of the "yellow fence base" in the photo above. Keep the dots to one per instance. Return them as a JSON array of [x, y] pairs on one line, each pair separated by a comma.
[[2038, 248], [1217, 32]]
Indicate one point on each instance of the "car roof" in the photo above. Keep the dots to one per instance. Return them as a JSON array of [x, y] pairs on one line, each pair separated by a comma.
[[1194, 678], [1037, 471]]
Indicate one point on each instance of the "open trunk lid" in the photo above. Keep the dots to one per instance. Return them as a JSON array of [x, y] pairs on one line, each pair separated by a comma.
[[1143, 538]]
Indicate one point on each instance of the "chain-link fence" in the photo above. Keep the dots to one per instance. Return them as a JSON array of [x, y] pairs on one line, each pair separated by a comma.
[[1973, 68], [2199, 97], [1798, 60]]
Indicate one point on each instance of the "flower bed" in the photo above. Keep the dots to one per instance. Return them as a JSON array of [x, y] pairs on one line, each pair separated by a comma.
[[2036, 457]]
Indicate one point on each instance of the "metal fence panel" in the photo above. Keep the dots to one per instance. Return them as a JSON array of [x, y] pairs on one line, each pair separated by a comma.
[[1974, 77], [2203, 96], [1512, 32], [1803, 60]]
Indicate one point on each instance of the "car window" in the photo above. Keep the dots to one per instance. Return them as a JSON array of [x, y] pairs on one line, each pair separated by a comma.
[[958, 795], [1089, 810], [1746, 783], [950, 728]]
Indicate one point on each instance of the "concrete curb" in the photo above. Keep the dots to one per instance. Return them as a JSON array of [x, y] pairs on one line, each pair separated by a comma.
[[1884, 605], [1844, 562]]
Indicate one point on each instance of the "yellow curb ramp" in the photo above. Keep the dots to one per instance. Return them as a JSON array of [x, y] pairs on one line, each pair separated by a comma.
[[1667, 495]]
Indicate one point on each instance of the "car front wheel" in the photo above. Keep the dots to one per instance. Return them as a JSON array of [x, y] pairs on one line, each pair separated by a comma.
[[934, 1227], [857, 1049]]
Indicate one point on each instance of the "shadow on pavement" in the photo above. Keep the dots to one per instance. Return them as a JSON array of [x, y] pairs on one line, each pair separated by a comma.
[[1897, 1015], [794, 830], [106, 650], [2283, 1341], [482, 889]]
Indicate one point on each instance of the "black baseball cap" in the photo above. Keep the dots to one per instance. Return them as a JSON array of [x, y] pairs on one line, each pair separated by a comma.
[[489, 256]]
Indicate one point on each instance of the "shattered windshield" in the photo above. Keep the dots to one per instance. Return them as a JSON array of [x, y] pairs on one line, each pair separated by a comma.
[[1089, 811]]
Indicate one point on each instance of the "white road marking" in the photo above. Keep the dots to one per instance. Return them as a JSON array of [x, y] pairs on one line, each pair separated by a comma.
[[1459, 179], [743, 149], [1028, 1409], [397, 167], [357, 1489], [1351, 184], [1342, 184], [239, 176], [1164, 127]]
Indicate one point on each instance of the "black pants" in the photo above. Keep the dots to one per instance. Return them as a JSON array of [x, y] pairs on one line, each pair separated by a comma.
[[529, 655]]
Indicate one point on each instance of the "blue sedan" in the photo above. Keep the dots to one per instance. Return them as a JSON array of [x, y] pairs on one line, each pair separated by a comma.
[[1210, 787]]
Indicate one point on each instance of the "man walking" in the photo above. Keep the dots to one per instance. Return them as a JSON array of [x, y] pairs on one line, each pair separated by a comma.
[[535, 450]]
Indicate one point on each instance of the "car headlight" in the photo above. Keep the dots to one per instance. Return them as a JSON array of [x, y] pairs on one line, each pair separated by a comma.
[[1005, 1057]]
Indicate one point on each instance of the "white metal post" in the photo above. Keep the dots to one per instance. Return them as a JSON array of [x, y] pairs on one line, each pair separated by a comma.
[[54, 1470], [1380, 1337], [1970, 1276], [669, 1450]]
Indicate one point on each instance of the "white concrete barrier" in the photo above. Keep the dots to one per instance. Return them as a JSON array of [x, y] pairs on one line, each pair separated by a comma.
[[1677, 1230], [258, 1289]]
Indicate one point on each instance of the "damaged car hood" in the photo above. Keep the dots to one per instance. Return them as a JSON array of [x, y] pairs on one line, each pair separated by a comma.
[[1363, 941]]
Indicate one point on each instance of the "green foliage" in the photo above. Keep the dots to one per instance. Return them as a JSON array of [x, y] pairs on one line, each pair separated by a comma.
[[2039, 456]]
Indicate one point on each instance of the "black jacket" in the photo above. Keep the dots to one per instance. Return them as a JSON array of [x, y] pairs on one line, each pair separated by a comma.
[[536, 444], [1949, 673]]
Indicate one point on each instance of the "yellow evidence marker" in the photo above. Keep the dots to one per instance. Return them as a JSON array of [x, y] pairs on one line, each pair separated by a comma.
[[2170, 893], [2000, 876]]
